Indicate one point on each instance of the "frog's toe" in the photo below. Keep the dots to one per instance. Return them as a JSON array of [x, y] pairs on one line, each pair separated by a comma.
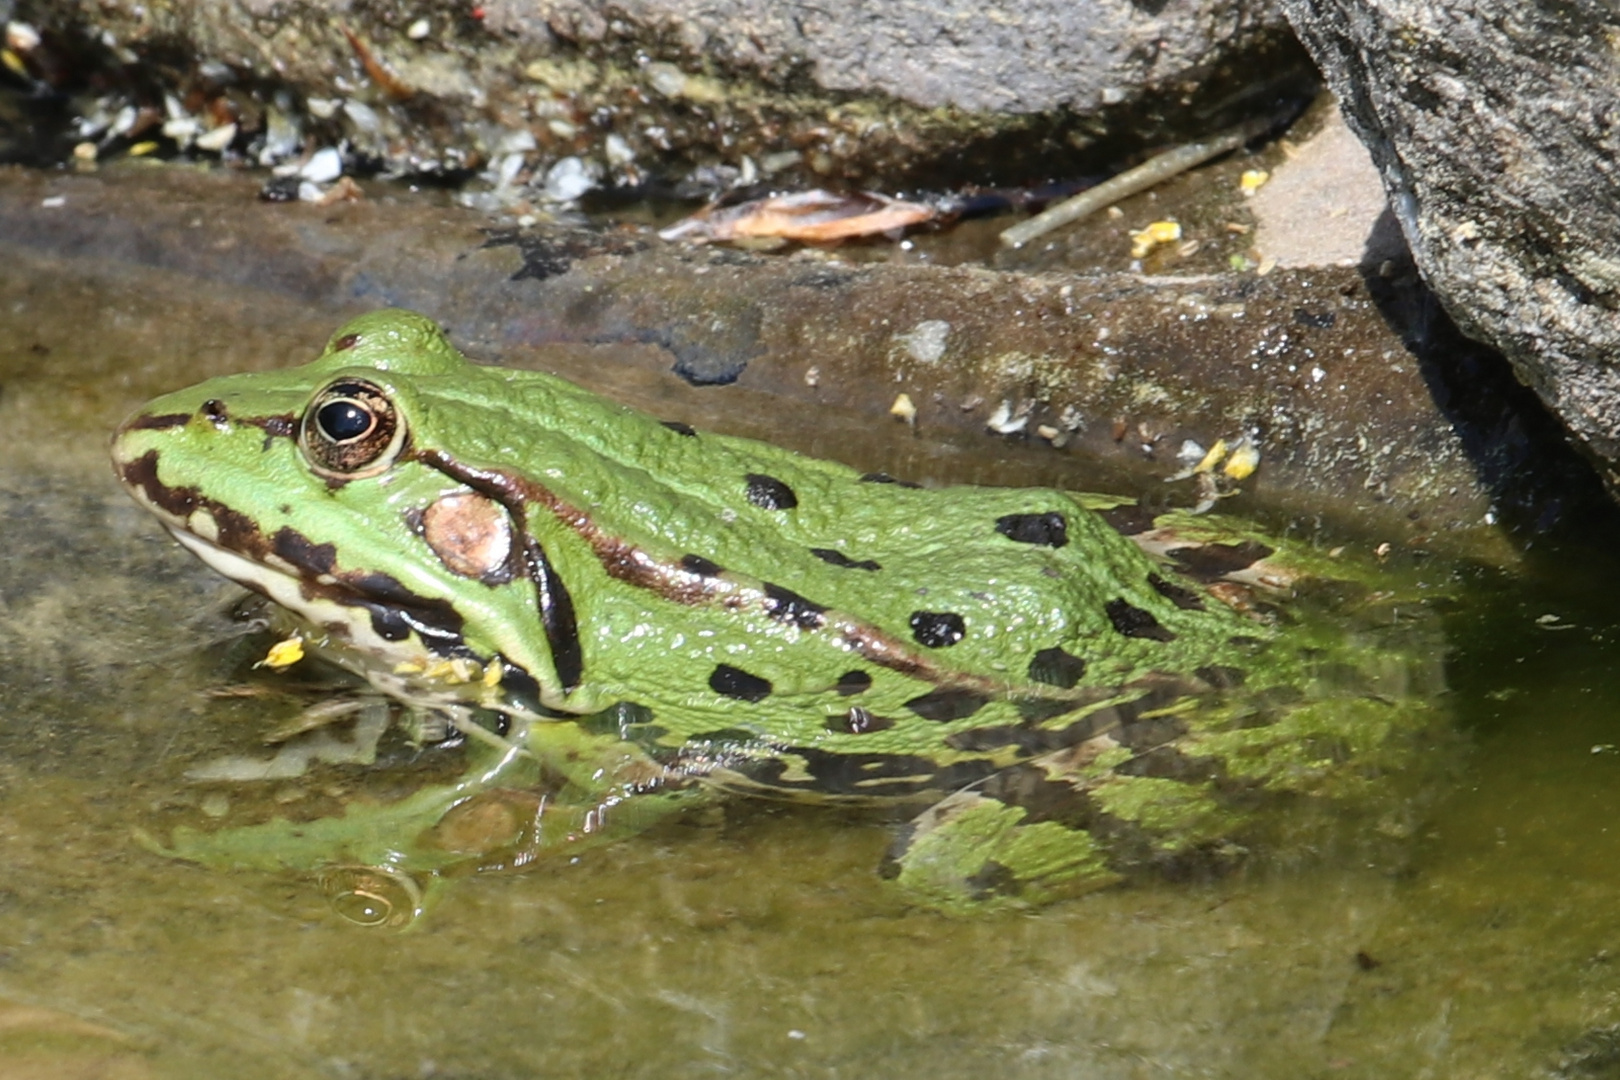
[[970, 852]]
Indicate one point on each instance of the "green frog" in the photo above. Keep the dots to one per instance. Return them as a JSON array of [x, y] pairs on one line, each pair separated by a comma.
[[617, 618]]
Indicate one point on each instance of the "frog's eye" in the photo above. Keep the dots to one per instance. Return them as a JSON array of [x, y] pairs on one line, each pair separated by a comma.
[[351, 430]]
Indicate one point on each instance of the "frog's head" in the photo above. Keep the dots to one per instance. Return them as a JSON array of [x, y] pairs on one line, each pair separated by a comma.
[[323, 487]]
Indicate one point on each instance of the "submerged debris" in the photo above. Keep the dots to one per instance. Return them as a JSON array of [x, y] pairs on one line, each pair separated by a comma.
[[1153, 171], [1159, 232], [813, 217], [1237, 461]]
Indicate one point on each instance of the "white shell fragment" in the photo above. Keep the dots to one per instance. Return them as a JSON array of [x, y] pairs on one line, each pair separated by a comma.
[[324, 166], [1005, 422], [217, 140], [570, 178]]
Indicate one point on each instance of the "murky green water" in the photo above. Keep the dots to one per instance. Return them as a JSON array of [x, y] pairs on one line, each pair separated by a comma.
[[756, 940]]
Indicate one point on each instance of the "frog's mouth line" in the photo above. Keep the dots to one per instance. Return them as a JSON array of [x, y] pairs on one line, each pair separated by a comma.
[[373, 611], [337, 606]]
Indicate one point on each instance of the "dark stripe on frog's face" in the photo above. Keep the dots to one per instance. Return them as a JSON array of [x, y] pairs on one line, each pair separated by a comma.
[[394, 610], [162, 422], [556, 617]]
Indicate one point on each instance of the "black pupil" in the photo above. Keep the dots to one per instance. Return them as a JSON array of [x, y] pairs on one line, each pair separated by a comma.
[[343, 420]]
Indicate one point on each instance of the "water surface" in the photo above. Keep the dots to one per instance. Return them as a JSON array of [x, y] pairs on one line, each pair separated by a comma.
[[1475, 937]]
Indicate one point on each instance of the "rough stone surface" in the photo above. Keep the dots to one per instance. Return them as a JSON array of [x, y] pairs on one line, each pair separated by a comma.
[[1324, 204], [1495, 129], [1005, 57], [886, 94]]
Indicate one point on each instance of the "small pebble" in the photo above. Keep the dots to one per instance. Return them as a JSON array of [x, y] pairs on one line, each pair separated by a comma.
[[217, 140], [325, 165]]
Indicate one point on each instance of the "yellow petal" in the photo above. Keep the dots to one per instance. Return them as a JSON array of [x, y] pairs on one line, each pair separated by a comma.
[[1159, 232], [1244, 460], [283, 654], [1210, 459]]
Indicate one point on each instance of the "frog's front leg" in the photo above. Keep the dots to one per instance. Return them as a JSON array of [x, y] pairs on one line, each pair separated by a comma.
[[593, 788]]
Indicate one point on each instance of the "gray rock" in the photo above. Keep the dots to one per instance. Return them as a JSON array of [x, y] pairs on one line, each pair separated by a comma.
[[1001, 57], [801, 92], [1495, 129]]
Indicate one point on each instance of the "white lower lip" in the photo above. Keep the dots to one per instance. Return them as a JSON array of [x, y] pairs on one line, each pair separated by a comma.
[[349, 622]]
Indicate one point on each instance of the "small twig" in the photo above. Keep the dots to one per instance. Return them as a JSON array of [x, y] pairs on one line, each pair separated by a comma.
[[390, 83], [1154, 170]]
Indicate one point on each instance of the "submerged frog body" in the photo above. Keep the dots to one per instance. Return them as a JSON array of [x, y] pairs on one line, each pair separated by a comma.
[[654, 614]]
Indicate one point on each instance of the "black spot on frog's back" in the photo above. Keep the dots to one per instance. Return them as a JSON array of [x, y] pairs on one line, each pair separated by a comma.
[[1045, 530], [1055, 667], [948, 704], [732, 682], [1129, 519], [885, 478], [1221, 676], [937, 629], [1136, 622], [697, 564], [858, 721], [853, 682], [833, 557], [769, 493], [1179, 595], [787, 606], [1210, 561]]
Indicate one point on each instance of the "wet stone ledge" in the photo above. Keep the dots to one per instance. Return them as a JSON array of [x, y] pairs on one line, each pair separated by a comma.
[[1369, 413]]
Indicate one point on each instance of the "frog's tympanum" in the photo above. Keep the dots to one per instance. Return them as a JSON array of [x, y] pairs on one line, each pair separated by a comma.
[[622, 617]]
